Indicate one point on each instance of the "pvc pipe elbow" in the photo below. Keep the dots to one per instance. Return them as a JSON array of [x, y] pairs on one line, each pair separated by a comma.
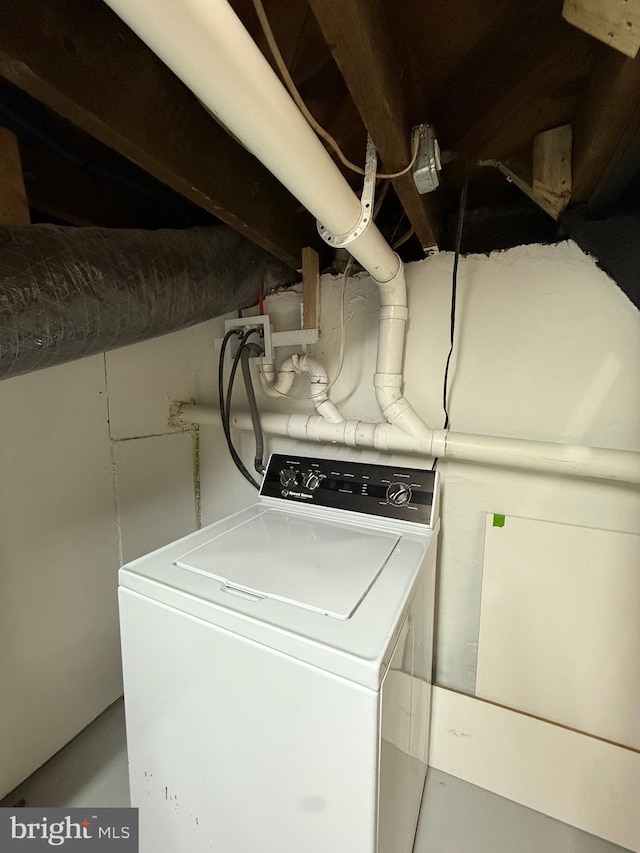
[[318, 381], [388, 392], [281, 385], [313, 368]]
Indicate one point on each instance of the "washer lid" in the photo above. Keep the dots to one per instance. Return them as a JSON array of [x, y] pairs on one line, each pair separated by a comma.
[[309, 563]]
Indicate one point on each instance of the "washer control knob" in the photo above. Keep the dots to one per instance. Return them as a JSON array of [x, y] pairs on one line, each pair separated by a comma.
[[311, 480], [399, 494], [288, 477]]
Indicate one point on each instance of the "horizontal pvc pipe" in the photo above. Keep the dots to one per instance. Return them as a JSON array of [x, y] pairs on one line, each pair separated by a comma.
[[381, 436], [559, 459], [600, 462]]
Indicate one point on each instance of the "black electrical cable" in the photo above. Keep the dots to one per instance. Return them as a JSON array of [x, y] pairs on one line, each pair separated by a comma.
[[224, 409], [454, 296], [258, 462]]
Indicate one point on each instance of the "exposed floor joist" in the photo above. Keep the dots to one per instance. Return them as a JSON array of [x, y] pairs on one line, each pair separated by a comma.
[[14, 209], [73, 179], [511, 86], [607, 129], [86, 65], [379, 81]]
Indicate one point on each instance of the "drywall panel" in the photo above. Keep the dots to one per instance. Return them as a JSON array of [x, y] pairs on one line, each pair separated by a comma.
[[144, 379], [155, 491], [559, 634], [223, 489], [60, 662], [580, 780]]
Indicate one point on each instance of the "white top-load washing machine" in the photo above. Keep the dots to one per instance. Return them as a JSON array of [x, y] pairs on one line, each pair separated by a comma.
[[277, 667]]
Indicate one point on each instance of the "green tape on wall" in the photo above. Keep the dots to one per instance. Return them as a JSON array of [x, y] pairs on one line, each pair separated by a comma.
[[498, 520]]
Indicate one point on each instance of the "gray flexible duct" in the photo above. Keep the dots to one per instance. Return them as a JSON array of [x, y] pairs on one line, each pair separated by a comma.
[[66, 293]]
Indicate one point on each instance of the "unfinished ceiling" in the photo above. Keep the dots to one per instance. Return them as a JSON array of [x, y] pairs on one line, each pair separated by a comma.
[[110, 137]]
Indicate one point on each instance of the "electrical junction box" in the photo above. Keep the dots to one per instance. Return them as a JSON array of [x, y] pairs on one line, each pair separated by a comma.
[[427, 166]]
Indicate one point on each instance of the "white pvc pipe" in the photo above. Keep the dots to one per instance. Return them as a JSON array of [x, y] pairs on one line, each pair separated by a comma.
[[558, 459], [279, 385], [319, 383], [599, 462], [206, 45]]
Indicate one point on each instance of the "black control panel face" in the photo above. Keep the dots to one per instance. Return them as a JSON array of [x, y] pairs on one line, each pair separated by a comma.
[[404, 493]]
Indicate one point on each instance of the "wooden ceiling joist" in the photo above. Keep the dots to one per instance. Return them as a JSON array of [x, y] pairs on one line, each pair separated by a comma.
[[366, 54], [607, 129], [14, 208], [81, 61]]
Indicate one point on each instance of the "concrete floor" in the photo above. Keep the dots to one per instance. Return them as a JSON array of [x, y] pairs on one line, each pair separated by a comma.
[[456, 817], [89, 771]]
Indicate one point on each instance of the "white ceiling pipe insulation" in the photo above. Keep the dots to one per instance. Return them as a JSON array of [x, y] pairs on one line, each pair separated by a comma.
[[206, 45], [561, 459]]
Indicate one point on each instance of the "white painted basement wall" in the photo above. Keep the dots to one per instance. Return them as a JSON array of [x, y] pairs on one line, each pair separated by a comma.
[[90, 474], [547, 348]]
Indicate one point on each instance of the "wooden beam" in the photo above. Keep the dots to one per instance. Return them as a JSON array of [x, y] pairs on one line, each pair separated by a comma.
[[552, 167], [14, 207], [84, 63], [525, 75], [78, 194], [614, 22], [607, 125], [379, 79], [310, 289]]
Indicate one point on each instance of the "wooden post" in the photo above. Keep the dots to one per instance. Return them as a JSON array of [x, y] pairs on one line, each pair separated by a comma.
[[552, 166], [545, 175], [14, 207], [310, 289]]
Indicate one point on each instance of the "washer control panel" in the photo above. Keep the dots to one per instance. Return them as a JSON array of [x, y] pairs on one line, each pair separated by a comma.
[[390, 491]]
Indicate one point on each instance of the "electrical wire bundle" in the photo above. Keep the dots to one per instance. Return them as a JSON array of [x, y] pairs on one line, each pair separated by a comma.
[[242, 356]]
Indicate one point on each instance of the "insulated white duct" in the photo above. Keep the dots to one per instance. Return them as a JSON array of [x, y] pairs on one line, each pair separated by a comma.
[[206, 45]]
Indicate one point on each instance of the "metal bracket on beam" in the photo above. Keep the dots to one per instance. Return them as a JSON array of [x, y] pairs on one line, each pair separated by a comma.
[[339, 241]]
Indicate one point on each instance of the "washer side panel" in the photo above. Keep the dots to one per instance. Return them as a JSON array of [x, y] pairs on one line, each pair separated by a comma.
[[236, 747]]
